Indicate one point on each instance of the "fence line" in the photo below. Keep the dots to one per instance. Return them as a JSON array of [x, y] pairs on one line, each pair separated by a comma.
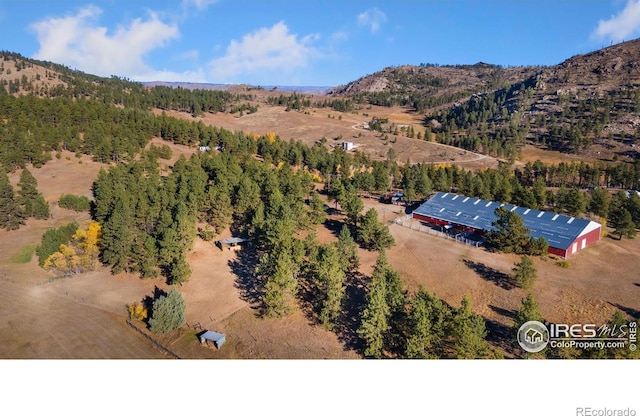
[[25, 282], [122, 311], [197, 326], [158, 345], [408, 222]]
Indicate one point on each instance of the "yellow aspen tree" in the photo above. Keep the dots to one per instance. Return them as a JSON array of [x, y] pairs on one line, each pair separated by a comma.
[[92, 236], [270, 136]]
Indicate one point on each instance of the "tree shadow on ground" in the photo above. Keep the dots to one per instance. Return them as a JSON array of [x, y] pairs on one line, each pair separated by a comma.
[[347, 327], [500, 336], [349, 320], [244, 267], [504, 312], [634, 313], [334, 226], [501, 279], [308, 299]]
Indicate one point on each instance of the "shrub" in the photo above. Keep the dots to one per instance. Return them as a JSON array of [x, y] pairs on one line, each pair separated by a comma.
[[52, 239], [207, 234], [138, 311], [79, 255], [75, 202]]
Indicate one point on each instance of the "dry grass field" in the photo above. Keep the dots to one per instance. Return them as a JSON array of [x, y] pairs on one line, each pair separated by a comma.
[[336, 127], [600, 279]]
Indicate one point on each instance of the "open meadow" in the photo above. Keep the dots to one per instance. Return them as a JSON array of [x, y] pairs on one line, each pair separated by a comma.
[[311, 126]]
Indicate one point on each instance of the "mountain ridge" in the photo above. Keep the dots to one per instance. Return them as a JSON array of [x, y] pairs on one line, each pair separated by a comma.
[[305, 89], [587, 104]]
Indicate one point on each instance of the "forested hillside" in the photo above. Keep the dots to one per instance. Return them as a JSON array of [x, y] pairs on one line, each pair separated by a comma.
[[23, 76], [587, 105]]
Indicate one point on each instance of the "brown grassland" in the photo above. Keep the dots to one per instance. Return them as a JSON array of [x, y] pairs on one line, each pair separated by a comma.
[[85, 316], [337, 127]]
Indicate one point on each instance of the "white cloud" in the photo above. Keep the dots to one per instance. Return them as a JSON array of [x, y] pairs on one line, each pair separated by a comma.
[[623, 26], [273, 50], [79, 42], [200, 4], [170, 76], [373, 18]]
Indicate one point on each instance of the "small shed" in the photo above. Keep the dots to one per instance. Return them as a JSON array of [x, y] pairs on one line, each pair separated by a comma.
[[347, 145], [210, 337], [232, 243]]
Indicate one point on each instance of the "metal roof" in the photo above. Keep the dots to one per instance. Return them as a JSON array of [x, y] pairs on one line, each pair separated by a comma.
[[234, 240], [212, 335], [559, 230]]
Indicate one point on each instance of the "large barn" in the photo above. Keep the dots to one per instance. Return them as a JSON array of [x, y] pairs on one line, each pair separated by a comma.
[[565, 235]]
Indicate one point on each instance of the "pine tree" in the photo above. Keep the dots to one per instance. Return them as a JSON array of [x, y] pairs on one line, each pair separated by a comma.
[[167, 313], [373, 234], [368, 228], [330, 277], [625, 227], [424, 185], [524, 273], [600, 201], [185, 226], [469, 332], [348, 251], [511, 235], [428, 318], [145, 255], [336, 191], [351, 205], [528, 311], [395, 298], [117, 237], [40, 208], [169, 248], [280, 287], [179, 271], [28, 193], [375, 317], [11, 215], [317, 212]]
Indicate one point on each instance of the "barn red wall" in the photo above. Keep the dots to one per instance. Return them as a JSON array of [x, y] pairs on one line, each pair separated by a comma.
[[436, 221], [593, 236], [557, 251], [430, 220]]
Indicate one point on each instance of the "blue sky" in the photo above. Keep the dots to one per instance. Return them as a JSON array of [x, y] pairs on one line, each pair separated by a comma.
[[305, 42]]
